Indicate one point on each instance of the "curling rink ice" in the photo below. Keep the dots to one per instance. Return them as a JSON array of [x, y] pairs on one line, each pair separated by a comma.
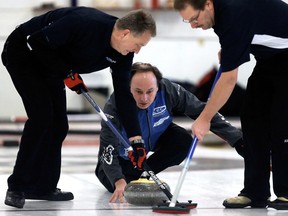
[[215, 173]]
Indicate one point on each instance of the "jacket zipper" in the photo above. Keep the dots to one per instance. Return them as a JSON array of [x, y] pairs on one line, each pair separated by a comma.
[[149, 126]]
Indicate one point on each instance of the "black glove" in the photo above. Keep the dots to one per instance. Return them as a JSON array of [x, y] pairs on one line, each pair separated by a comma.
[[138, 155], [75, 83], [239, 146]]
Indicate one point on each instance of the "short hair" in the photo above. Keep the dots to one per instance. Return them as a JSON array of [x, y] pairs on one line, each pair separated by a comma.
[[138, 22], [182, 4], [140, 67]]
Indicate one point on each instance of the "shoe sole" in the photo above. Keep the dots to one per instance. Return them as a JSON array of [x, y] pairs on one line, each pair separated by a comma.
[[252, 205], [19, 204], [50, 198], [278, 206], [230, 205]]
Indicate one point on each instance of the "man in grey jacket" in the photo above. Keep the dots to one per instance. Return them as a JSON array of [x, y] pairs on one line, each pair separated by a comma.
[[157, 100]]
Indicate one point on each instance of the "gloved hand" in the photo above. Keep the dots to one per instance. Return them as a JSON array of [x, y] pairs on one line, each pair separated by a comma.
[[75, 83], [239, 146], [138, 155]]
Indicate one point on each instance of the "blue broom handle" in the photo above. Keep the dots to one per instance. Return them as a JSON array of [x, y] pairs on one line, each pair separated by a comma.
[[191, 152]]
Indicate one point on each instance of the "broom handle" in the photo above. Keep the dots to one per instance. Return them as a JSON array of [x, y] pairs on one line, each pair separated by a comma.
[[190, 153]]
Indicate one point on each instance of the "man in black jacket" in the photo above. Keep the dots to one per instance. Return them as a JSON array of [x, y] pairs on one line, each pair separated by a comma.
[[41, 53], [245, 27], [157, 99]]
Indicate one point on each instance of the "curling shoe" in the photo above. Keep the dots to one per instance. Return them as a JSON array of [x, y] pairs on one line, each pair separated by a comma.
[[281, 203], [15, 199], [56, 195], [242, 202]]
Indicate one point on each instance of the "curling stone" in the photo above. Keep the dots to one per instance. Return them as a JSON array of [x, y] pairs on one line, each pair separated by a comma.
[[144, 192]]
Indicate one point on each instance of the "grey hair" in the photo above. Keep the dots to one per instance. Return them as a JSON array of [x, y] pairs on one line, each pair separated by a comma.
[[138, 22]]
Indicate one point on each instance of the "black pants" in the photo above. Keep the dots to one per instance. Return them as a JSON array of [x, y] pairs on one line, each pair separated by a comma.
[[170, 150], [37, 168], [265, 129]]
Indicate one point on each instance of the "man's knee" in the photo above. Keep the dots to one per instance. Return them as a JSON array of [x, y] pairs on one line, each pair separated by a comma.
[[103, 179]]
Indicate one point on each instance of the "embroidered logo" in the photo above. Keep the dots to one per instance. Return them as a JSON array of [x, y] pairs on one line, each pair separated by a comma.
[[110, 60], [223, 118], [126, 151], [107, 154], [178, 89], [159, 110], [160, 121], [109, 116]]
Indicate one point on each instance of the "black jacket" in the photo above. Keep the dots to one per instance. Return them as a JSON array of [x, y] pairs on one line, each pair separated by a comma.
[[78, 39]]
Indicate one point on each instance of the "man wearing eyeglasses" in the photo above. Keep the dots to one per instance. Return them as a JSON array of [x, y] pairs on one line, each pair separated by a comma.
[[258, 27]]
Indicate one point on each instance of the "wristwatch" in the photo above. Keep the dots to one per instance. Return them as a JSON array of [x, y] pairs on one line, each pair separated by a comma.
[[136, 141]]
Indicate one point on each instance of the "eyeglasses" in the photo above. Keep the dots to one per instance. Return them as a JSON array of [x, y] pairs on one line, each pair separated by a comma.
[[193, 19]]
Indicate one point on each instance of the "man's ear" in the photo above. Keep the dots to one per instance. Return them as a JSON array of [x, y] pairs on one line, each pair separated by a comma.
[[125, 32]]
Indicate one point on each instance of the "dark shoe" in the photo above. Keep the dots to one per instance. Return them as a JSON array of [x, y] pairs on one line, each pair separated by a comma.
[[56, 195], [281, 203], [242, 202], [15, 199]]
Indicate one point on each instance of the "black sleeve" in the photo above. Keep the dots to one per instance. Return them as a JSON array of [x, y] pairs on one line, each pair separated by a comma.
[[234, 28], [125, 102]]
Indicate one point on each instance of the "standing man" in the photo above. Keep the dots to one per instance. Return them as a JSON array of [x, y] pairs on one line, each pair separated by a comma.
[[157, 100], [258, 27], [41, 53]]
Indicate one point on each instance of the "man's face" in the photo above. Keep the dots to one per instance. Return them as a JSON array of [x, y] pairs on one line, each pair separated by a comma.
[[144, 89], [130, 43], [199, 18]]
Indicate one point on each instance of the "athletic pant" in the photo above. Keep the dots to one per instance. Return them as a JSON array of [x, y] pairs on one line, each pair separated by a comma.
[[37, 167], [265, 129], [171, 149]]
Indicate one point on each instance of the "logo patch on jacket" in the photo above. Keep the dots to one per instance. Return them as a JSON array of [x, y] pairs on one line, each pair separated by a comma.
[[110, 60], [160, 121], [159, 110], [107, 155]]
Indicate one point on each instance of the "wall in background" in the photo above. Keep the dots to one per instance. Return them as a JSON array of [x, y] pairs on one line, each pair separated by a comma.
[[181, 53]]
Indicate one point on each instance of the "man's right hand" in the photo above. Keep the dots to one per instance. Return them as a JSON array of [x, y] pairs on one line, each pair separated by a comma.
[[200, 128], [138, 155]]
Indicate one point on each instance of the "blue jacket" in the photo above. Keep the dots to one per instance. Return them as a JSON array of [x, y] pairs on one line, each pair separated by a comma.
[[153, 122]]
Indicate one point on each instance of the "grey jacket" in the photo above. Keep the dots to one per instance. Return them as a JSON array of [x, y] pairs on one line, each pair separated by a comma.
[[171, 98]]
